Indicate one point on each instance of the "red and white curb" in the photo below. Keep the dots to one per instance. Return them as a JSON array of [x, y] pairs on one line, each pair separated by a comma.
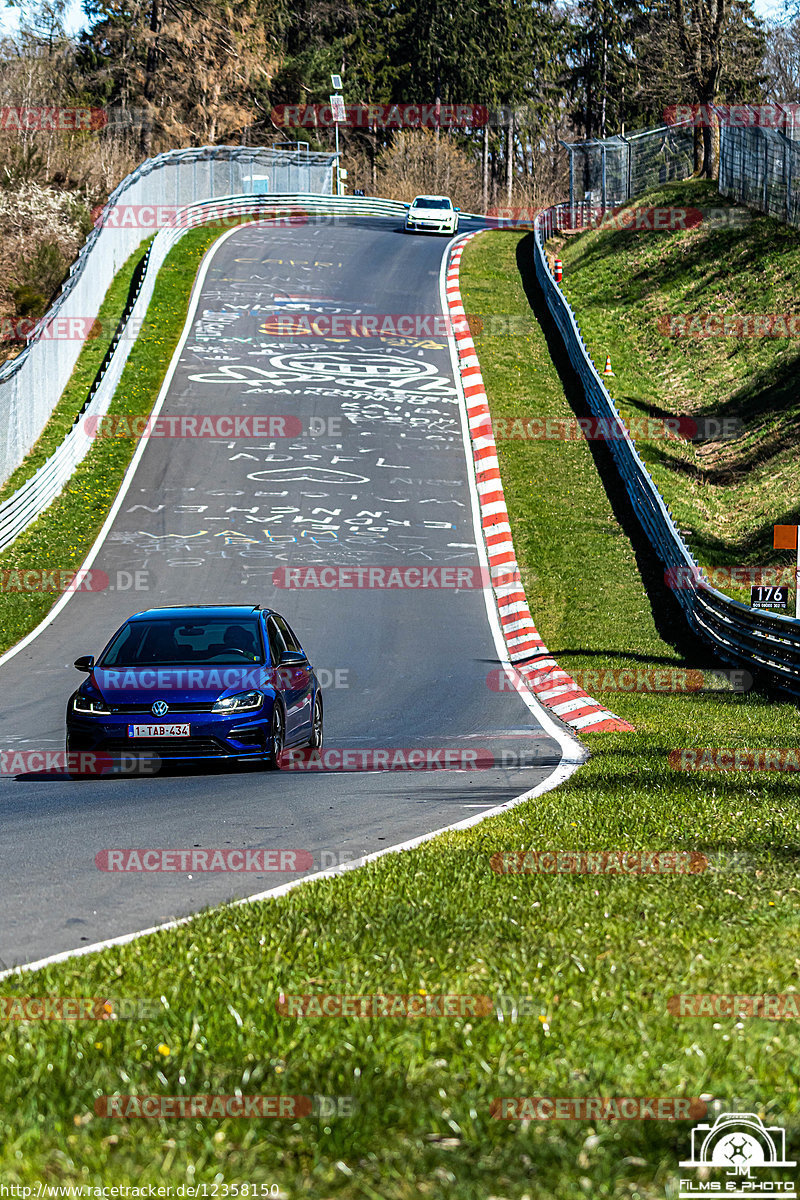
[[553, 688]]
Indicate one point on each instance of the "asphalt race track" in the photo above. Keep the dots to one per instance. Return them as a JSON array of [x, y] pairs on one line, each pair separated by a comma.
[[377, 478]]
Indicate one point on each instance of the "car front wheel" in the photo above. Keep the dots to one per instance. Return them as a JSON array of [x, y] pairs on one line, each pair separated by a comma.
[[277, 738], [316, 726]]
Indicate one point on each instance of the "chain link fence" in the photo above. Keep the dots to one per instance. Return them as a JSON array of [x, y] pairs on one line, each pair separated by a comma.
[[32, 383], [759, 159], [604, 174]]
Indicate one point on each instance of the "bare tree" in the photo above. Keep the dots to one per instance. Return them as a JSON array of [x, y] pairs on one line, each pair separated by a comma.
[[700, 26], [782, 62]]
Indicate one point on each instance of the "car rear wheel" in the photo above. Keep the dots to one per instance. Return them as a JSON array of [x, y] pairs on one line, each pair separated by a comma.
[[316, 726], [277, 738]]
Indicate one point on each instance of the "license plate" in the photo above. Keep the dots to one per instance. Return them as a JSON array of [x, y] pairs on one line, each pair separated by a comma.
[[136, 731]]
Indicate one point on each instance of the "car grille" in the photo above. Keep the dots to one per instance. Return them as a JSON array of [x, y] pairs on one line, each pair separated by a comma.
[[194, 706], [167, 747]]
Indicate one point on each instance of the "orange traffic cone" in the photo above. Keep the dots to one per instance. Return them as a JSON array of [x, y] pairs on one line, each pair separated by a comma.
[[607, 372]]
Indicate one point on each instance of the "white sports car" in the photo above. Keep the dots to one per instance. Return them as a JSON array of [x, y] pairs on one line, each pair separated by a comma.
[[432, 214]]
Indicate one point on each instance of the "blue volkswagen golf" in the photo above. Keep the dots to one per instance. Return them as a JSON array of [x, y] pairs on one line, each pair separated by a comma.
[[202, 682]]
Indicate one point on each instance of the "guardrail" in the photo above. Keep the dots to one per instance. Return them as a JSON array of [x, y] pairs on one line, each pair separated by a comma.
[[768, 644], [19, 510]]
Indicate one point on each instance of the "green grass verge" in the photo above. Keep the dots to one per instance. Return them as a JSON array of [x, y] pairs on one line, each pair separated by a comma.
[[61, 537], [597, 956], [727, 494]]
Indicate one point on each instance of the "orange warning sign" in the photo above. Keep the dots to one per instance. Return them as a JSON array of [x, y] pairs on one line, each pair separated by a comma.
[[785, 537]]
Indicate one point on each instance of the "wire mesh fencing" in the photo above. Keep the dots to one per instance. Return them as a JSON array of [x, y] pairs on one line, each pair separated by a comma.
[[609, 172], [759, 158], [32, 383]]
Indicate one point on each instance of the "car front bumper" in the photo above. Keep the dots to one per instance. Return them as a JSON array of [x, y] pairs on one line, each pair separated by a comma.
[[426, 225], [211, 735]]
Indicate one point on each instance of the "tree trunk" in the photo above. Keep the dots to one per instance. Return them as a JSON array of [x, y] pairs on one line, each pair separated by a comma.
[[700, 27], [436, 134], [710, 151], [510, 160], [149, 83], [485, 166], [604, 85]]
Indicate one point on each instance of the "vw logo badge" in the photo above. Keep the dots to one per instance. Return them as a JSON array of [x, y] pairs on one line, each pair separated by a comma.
[[159, 709]]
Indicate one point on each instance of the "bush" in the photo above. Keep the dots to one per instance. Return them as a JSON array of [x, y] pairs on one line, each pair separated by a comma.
[[39, 278]]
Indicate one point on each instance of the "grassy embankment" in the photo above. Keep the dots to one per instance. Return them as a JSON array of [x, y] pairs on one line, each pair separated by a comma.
[[726, 493]]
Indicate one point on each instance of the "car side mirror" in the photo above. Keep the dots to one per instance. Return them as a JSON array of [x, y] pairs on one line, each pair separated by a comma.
[[84, 663], [457, 210], [406, 206], [290, 657]]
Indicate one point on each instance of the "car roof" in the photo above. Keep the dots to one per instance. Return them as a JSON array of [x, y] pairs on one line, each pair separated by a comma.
[[447, 198], [185, 612]]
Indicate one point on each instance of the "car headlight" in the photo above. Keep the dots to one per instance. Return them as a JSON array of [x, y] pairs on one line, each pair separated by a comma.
[[87, 704], [241, 702]]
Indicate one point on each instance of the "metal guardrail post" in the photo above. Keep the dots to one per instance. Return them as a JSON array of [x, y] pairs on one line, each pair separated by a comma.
[[788, 151], [629, 171]]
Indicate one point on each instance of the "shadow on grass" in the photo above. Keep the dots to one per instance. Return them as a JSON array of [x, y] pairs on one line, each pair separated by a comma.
[[668, 617]]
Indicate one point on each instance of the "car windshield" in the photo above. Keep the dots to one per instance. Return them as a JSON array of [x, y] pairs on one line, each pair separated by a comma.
[[196, 641], [431, 204]]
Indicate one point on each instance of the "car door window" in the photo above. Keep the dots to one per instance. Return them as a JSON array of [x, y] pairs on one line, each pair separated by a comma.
[[288, 637], [277, 645]]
